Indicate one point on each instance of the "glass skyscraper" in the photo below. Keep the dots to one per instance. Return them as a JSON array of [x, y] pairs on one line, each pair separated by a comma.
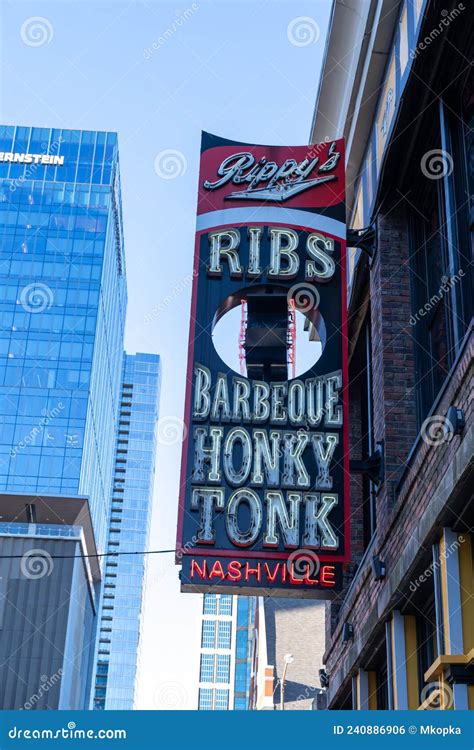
[[227, 652], [63, 302], [62, 312], [121, 607], [245, 643]]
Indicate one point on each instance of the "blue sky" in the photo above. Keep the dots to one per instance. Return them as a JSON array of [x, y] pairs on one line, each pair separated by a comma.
[[158, 73]]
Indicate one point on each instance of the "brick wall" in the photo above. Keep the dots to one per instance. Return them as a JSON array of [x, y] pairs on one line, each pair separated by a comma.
[[295, 626], [400, 507], [357, 497], [392, 349]]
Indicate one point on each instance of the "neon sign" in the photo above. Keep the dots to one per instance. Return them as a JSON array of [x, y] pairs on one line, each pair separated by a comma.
[[264, 501]]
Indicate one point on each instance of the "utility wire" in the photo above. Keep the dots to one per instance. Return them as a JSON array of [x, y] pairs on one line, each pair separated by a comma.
[[38, 553]]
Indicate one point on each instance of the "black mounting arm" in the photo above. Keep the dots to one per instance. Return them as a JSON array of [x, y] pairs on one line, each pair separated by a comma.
[[372, 466], [364, 239]]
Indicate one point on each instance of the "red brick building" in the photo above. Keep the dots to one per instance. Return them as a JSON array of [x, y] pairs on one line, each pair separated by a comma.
[[397, 83]]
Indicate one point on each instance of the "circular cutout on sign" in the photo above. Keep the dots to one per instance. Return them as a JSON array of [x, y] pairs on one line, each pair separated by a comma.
[[269, 332]]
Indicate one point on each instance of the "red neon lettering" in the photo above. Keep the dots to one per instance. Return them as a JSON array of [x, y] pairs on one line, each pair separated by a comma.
[[308, 580], [311, 581], [292, 579], [251, 571], [272, 578], [234, 570], [217, 571], [328, 575], [202, 573]]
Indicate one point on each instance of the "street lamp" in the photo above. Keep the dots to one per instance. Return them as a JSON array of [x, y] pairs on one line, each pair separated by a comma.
[[288, 660]]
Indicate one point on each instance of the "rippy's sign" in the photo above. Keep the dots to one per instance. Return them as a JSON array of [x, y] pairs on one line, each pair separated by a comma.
[[264, 496]]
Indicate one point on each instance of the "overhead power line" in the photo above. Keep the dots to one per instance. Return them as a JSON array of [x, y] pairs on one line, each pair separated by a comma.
[[77, 557]]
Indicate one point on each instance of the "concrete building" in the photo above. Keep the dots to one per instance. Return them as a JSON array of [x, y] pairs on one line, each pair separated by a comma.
[[397, 83]]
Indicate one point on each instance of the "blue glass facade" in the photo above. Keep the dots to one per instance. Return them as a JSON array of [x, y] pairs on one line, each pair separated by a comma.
[[121, 608], [245, 634], [62, 313]]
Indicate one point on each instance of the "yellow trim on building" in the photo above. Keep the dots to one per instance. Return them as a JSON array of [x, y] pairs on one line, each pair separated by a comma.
[[466, 582], [357, 695], [446, 697], [470, 697], [430, 702], [372, 680], [441, 662]]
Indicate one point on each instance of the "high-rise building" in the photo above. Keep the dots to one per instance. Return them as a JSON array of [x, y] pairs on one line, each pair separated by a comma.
[[121, 606], [244, 652], [62, 308], [227, 652]]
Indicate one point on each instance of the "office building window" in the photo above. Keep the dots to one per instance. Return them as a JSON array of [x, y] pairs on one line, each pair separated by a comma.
[[241, 646], [243, 611], [240, 683], [223, 640], [222, 700], [206, 673], [225, 605], [441, 275], [433, 322], [377, 663], [205, 699], [360, 395], [381, 677], [223, 668], [426, 639], [240, 704], [210, 604], [208, 634]]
